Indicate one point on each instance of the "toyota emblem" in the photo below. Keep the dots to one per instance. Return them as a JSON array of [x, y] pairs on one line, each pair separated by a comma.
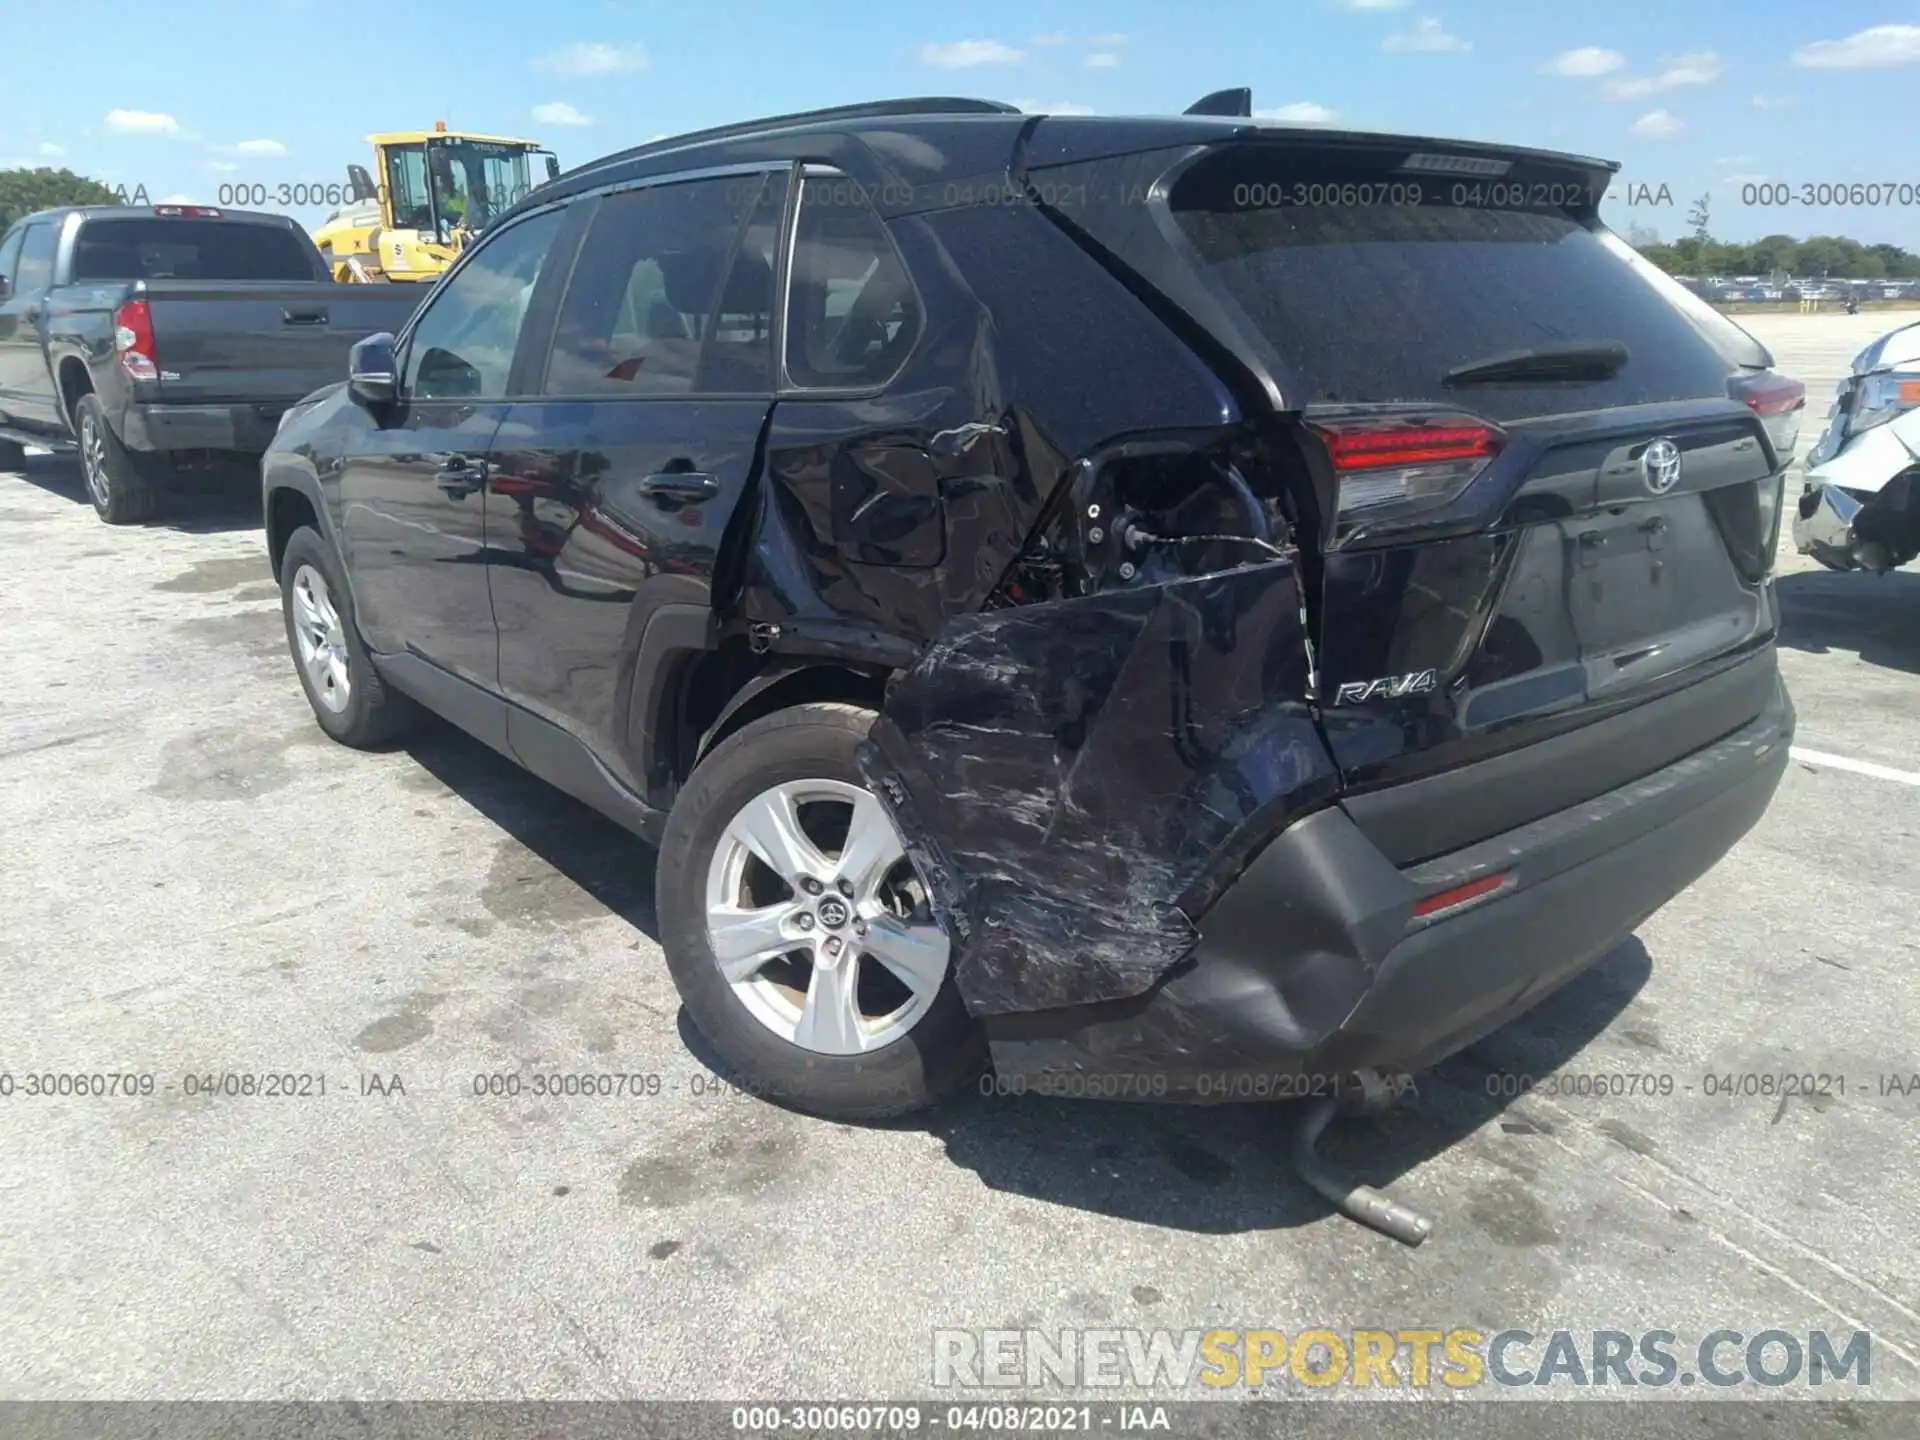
[[1660, 466], [833, 913]]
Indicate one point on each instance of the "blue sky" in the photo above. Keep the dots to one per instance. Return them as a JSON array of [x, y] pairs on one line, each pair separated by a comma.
[[1696, 95]]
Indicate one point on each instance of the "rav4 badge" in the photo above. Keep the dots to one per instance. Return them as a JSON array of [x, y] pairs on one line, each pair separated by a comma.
[[1421, 682]]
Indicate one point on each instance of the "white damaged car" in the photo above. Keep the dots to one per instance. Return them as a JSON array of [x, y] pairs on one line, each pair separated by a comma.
[[1861, 507]]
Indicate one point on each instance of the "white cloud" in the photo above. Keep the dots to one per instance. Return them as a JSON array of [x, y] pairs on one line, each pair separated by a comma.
[[594, 57], [141, 122], [558, 112], [1102, 60], [1876, 47], [966, 54], [1657, 125], [1301, 112], [50, 150], [1587, 61], [260, 147], [1053, 107], [177, 200], [222, 167], [1374, 4], [1771, 102], [1701, 67], [1427, 35], [1750, 178]]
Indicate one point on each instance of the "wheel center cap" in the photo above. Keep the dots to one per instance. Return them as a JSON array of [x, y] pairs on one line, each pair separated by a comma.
[[833, 912]]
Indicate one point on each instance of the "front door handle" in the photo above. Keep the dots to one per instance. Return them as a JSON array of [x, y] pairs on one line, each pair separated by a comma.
[[680, 485], [460, 477]]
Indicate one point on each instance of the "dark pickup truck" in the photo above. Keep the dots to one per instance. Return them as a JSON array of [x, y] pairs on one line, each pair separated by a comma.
[[163, 339]]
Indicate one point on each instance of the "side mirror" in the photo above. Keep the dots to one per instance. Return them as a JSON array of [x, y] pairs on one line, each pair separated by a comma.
[[6, 287], [370, 371], [553, 167], [360, 184]]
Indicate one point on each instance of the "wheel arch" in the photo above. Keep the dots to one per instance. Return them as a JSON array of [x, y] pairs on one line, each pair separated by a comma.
[[291, 501], [73, 380]]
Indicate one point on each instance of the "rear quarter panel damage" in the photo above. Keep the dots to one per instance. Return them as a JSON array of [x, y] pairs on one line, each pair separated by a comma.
[[1078, 779]]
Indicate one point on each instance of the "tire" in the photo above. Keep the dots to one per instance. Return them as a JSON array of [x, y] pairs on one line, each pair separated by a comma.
[[13, 455], [119, 482], [878, 1055], [352, 702]]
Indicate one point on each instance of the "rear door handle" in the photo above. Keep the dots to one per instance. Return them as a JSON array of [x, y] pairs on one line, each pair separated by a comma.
[[290, 316], [460, 477], [680, 485]]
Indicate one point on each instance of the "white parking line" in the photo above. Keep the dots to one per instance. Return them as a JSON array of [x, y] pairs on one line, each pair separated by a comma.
[[1858, 767]]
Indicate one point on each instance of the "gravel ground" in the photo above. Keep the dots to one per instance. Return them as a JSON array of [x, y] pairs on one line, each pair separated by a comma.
[[199, 882]]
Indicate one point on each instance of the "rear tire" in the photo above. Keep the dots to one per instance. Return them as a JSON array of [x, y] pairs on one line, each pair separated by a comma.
[[119, 482], [351, 701], [838, 1001], [13, 455]]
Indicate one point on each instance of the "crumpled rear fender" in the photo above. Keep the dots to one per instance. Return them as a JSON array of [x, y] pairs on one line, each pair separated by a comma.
[[1077, 780]]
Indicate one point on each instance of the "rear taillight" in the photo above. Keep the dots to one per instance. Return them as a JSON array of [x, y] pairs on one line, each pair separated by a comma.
[[133, 338], [1404, 462], [1778, 401]]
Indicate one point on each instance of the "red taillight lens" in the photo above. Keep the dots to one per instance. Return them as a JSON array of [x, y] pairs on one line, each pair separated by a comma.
[[133, 338], [1405, 461], [1778, 400]]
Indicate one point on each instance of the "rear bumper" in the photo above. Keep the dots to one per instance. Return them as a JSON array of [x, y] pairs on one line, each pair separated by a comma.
[[246, 428], [1313, 963]]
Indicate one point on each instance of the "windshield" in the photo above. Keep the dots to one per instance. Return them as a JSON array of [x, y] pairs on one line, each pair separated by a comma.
[[461, 185]]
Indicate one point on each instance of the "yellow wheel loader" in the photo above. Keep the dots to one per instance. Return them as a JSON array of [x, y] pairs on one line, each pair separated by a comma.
[[436, 190]]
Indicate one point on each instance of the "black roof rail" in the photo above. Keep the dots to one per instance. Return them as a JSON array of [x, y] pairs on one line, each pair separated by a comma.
[[873, 109], [1223, 102]]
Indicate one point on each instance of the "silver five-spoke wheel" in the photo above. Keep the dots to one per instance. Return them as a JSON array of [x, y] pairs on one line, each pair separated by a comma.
[[819, 922], [93, 460], [321, 639]]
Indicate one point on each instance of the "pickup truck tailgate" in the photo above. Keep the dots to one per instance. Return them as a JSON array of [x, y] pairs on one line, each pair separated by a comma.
[[264, 342]]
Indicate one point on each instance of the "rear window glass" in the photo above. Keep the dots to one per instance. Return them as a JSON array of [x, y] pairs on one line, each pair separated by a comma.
[[1368, 283], [162, 249]]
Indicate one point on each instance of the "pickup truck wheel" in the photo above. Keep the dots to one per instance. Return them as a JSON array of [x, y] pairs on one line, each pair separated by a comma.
[[799, 932], [117, 483], [349, 698], [13, 455]]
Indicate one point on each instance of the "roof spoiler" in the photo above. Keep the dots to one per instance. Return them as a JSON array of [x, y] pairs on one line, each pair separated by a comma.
[[1224, 102]]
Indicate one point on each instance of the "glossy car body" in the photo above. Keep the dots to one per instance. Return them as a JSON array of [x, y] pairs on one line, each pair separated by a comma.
[[1205, 771]]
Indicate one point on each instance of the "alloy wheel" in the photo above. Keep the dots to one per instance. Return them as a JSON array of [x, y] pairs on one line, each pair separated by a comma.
[[93, 460], [819, 922], [321, 640]]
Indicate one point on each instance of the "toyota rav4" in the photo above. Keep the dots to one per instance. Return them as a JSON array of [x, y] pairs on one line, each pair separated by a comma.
[[1150, 600]]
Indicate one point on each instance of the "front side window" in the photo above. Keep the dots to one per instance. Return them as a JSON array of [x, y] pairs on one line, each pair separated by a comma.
[[35, 272], [852, 314], [669, 296], [462, 347]]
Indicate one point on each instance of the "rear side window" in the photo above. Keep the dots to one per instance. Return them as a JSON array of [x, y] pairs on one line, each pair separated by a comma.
[[34, 272], [161, 249], [1366, 283], [669, 296], [852, 315]]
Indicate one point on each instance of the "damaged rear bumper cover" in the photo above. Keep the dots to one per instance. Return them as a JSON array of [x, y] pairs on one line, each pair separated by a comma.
[[1315, 962]]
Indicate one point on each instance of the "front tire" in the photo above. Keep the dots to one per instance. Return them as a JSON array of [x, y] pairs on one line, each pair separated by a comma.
[[349, 698], [118, 481], [799, 933]]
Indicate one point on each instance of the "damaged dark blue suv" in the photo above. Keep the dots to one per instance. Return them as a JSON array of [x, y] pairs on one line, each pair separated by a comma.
[[1174, 602]]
